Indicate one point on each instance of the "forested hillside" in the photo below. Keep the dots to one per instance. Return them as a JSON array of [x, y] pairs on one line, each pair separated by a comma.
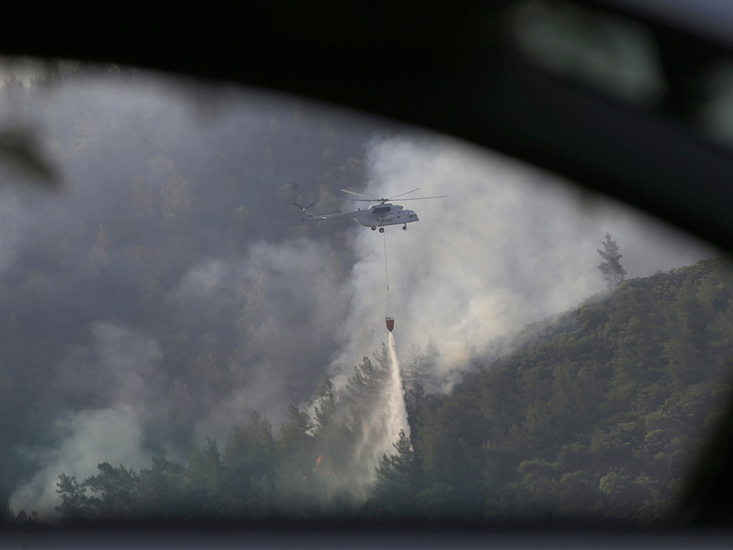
[[597, 414], [178, 343]]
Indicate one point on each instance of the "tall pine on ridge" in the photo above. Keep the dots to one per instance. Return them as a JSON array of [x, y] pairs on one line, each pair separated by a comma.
[[613, 271]]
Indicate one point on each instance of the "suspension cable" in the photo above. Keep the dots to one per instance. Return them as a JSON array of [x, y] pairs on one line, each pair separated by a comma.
[[386, 269]]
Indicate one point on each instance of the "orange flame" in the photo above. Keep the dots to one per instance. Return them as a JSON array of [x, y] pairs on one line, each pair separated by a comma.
[[318, 462]]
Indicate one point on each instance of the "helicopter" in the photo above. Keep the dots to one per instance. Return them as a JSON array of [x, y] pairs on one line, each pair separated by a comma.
[[376, 216]]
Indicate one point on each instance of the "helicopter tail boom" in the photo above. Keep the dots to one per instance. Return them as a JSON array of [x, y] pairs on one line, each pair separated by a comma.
[[354, 214]]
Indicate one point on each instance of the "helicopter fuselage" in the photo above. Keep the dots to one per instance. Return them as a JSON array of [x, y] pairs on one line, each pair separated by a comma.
[[386, 214], [378, 215]]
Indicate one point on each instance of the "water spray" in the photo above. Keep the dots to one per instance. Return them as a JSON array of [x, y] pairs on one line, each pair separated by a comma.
[[398, 410]]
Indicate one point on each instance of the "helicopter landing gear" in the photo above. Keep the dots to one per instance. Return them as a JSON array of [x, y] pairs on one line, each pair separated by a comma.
[[381, 229], [404, 227], [374, 228]]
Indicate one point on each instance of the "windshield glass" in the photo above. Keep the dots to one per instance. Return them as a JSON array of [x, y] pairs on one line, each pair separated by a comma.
[[181, 341]]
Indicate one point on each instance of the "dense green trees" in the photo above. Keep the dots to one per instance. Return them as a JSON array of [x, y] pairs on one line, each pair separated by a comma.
[[597, 416], [394, 492], [74, 501]]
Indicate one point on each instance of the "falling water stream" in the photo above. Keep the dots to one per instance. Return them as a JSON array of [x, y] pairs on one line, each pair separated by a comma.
[[396, 396]]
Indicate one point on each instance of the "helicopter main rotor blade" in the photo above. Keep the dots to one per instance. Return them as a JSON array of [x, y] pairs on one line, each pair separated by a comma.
[[360, 195], [402, 194], [347, 199], [423, 198], [382, 200]]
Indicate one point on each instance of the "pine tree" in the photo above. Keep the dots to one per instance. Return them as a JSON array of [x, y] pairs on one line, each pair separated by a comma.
[[393, 493], [325, 404], [613, 272], [118, 490], [250, 456], [162, 488], [74, 501], [205, 477]]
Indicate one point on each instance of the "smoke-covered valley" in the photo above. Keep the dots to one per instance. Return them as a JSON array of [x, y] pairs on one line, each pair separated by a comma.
[[169, 288]]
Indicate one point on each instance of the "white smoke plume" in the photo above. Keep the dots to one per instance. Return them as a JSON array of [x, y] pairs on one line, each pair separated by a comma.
[[90, 438], [509, 245], [120, 367], [285, 302]]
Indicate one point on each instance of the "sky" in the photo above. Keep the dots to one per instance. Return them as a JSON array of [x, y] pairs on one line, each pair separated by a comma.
[[170, 287]]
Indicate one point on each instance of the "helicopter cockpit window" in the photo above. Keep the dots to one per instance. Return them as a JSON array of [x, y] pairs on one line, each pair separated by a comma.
[[173, 327]]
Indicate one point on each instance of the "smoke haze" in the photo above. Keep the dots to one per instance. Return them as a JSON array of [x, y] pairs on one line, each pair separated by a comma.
[[170, 289], [509, 245]]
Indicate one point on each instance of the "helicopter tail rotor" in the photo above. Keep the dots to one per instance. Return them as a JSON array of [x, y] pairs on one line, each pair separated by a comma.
[[304, 211]]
